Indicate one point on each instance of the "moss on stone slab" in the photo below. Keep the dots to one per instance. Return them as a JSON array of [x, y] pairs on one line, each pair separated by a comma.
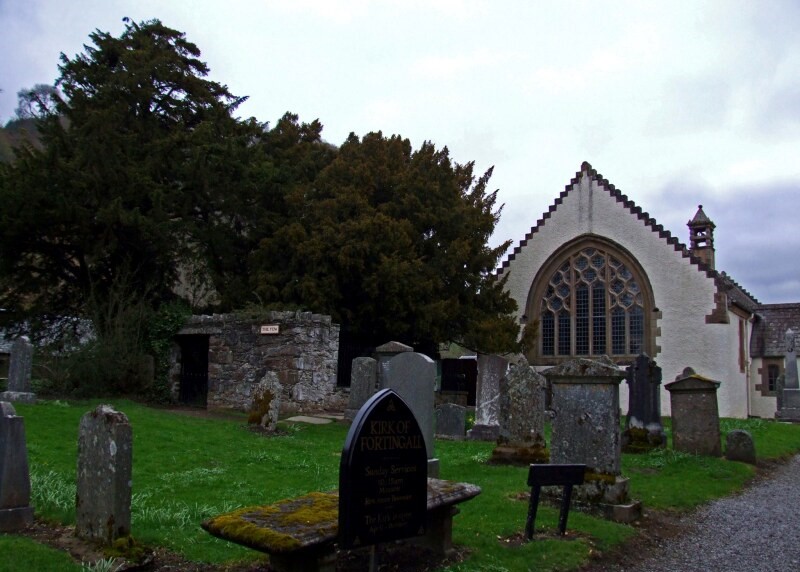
[[286, 526]]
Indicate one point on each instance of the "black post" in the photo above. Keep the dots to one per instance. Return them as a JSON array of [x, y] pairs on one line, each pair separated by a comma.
[[562, 518], [533, 505]]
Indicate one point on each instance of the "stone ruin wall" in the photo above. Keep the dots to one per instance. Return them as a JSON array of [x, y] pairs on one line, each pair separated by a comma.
[[303, 355]]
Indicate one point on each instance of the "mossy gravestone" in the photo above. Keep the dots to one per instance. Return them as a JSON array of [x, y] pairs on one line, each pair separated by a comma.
[[383, 474], [105, 463]]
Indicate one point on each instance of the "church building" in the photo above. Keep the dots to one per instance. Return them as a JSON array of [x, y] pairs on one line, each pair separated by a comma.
[[598, 276]]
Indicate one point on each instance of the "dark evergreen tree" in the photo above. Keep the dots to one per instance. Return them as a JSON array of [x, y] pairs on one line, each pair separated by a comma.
[[393, 243], [142, 168]]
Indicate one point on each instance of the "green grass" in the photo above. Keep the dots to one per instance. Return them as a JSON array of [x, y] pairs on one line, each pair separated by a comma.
[[187, 469], [25, 554]]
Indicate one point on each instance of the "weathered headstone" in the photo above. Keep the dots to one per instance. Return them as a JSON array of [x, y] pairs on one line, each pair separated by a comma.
[[362, 385], [643, 429], [790, 367], [491, 369], [19, 372], [383, 354], [695, 414], [413, 376], [585, 405], [266, 402], [788, 386], [105, 460], [15, 483], [739, 446], [521, 415], [451, 420], [383, 474]]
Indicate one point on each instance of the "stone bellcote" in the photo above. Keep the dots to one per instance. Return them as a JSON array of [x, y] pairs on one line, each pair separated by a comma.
[[701, 237]]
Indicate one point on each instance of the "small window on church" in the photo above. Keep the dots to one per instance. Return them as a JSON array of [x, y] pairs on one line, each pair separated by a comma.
[[773, 371], [592, 305]]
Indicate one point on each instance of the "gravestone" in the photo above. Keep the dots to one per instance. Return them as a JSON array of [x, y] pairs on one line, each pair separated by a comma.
[[739, 446], [491, 369], [788, 388], [413, 377], [266, 402], [105, 460], [385, 353], [586, 431], [19, 373], [643, 429], [15, 482], [521, 415], [451, 420], [695, 414], [383, 485], [362, 385]]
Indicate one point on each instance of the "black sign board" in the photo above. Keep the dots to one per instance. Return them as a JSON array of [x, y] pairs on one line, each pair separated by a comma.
[[548, 475], [383, 483]]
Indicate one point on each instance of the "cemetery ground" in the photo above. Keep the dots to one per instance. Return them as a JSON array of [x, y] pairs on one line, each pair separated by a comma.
[[190, 467]]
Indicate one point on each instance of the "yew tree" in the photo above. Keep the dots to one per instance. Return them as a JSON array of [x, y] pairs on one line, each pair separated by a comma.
[[142, 166], [393, 243]]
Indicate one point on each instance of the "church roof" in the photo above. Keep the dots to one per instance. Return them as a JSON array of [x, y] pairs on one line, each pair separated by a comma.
[[770, 327], [700, 218], [736, 294]]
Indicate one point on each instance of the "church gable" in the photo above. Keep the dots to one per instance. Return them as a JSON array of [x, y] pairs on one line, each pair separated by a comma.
[[628, 204], [640, 226]]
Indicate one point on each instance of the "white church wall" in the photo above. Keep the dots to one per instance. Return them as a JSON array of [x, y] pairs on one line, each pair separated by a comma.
[[760, 405], [683, 293]]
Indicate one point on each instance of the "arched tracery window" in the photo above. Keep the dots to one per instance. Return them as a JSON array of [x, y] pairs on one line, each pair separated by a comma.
[[590, 302]]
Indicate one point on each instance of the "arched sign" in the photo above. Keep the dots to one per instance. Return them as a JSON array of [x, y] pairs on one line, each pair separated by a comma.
[[383, 480]]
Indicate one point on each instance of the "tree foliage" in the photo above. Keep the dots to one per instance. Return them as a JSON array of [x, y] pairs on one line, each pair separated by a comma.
[[139, 153], [392, 242], [144, 176]]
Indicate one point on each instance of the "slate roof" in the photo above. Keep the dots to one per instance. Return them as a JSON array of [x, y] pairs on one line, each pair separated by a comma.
[[736, 294], [770, 327]]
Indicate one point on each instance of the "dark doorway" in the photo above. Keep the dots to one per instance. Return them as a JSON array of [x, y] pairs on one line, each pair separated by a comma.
[[194, 370], [460, 376], [351, 346]]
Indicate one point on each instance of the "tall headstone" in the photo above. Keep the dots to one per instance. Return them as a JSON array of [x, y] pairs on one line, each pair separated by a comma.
[[643, 429], [451, 420], [15, 482], [383, 486], [265, 406], [362, 385], [105, 461], [522, 416], [788, 387], [383, 354], [585, 431], [413, 377], [790, 366], [695, 414], [491, 369], [19, 372]]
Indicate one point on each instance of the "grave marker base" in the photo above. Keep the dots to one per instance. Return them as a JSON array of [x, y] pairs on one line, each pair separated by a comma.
[[18, 396], [14, 519]]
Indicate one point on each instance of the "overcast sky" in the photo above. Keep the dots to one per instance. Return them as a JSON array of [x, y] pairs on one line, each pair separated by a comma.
[[676, 103]]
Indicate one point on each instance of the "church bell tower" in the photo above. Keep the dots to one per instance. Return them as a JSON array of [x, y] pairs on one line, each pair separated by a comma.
[[701, 237]]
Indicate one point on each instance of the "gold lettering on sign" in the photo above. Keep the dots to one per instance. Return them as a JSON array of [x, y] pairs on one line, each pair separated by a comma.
[[389, 435]]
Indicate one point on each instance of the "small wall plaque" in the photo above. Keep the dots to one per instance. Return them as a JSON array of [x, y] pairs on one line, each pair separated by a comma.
[[271, 329]]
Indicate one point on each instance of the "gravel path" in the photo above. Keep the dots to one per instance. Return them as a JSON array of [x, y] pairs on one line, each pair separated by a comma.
[[756, 530]]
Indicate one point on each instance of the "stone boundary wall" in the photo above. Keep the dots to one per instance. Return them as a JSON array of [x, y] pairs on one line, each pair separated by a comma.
[[303, 355]]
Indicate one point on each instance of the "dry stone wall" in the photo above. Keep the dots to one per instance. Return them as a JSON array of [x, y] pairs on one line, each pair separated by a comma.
[[303, 355]]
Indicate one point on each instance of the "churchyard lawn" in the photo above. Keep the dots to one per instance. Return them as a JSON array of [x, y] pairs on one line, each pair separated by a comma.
[[187, 468]]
